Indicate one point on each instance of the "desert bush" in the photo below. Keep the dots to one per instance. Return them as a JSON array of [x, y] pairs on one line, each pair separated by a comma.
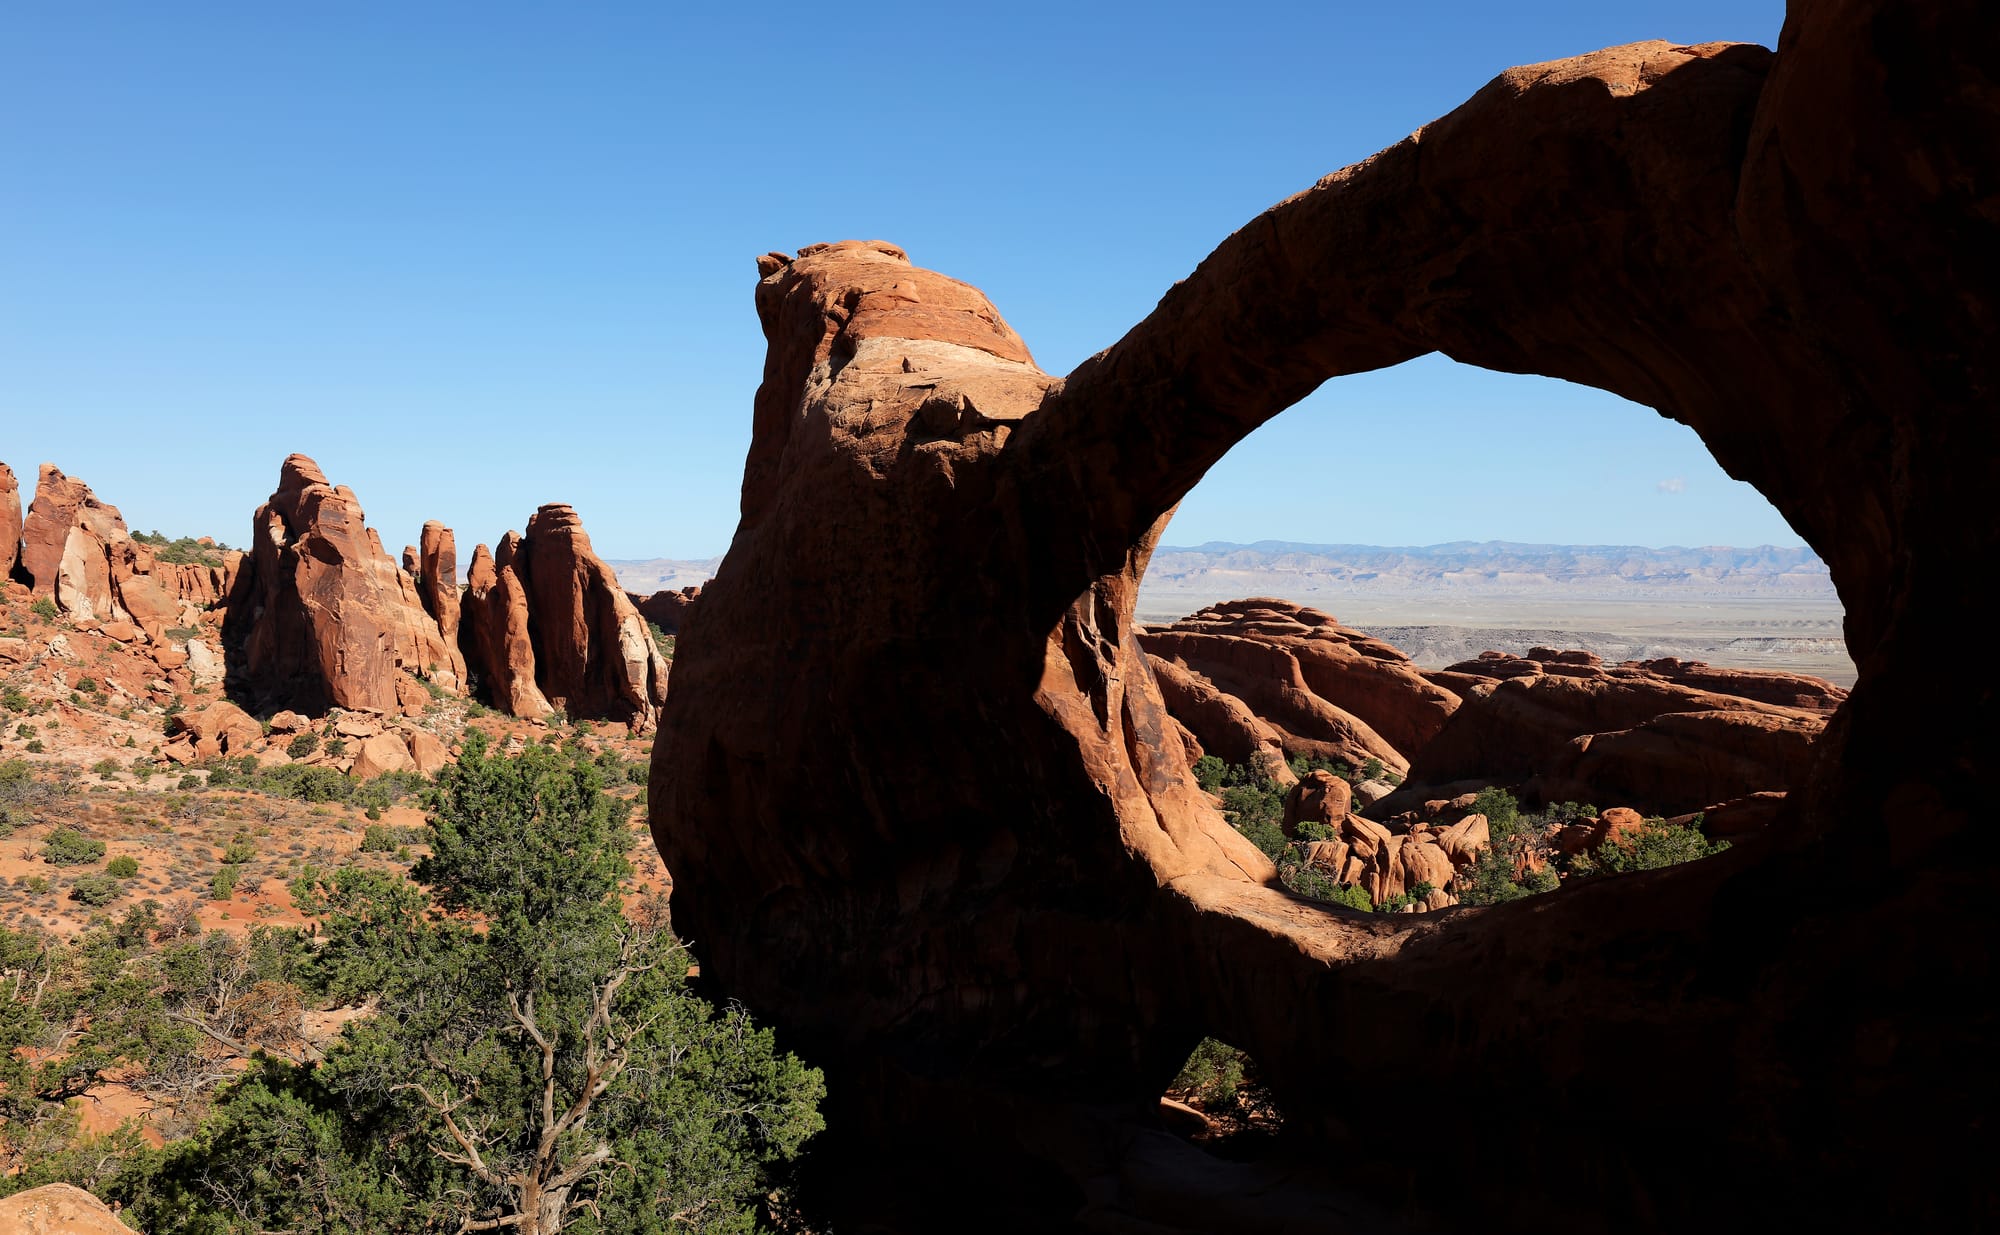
[[1212, 1074], [124, 866], [241, 849], [302, 745], [96, 889], [44, 608], [223, 884], [1656, 845], [68, 847]]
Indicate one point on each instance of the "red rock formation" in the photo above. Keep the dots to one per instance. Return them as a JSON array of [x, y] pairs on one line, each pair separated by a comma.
[[325, 618], [494, 633], [76, 550], [545, 625], [1335, 675], [1222, 724], [1790, 690], [10, 523], [1571, 729], [667, 610], [1010, 912], [437, 586], [593, 653]]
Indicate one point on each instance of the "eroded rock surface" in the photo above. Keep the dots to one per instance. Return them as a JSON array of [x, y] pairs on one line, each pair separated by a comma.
[[1327, 691], [945, 830], [326, 618], [10, 522], [546, 626], [1565, 726]]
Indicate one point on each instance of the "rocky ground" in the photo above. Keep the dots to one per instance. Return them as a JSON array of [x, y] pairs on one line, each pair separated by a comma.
[[157, 764]]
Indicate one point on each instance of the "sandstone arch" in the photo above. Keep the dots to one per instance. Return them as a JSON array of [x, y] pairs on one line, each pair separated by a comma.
[[927, 807]]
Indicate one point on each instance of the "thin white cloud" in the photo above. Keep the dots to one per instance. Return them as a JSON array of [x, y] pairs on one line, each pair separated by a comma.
[[1673, 484]]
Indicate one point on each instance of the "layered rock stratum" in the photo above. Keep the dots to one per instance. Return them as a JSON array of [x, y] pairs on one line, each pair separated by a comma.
[[944, 825]]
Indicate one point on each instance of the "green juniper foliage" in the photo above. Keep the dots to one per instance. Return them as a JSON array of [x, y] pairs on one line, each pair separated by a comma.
[[535, 1059]]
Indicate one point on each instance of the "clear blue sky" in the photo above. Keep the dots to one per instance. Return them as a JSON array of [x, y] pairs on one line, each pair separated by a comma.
[[478, 257]]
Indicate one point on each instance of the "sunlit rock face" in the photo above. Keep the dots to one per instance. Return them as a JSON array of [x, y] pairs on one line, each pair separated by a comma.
[[931, 816]]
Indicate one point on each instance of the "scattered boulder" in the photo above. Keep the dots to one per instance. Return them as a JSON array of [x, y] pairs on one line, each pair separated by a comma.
[[379, 754], [221, 728], [428, 755], [1319, 797], [58, 1209]]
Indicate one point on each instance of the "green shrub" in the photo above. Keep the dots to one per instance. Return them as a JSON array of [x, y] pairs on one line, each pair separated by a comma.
[[336, 747], [35, 747], [124, 866], [14, 700], [87, 684], [223, 885], [44, 608], [68, 847], [1212, 1074], [302, 745], [1656, 845], [377, 838], [239, 851], [1208, 771], [95, 889]]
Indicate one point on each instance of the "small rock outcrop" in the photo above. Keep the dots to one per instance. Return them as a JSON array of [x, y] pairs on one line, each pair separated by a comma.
[[58, 1209]]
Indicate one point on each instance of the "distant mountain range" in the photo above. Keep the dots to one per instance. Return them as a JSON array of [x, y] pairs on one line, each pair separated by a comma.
[[662, 574], [1287, 568], [1283, 567]]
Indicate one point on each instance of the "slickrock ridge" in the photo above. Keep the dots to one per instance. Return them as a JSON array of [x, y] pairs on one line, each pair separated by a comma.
[[1552, 721], [325, 617], [1009, 911], [666, 609], [1328, 691], [10, 522]]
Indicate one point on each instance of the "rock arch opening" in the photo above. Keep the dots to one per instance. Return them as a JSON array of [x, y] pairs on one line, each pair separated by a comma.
[[1553, 678], [926, 802]]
